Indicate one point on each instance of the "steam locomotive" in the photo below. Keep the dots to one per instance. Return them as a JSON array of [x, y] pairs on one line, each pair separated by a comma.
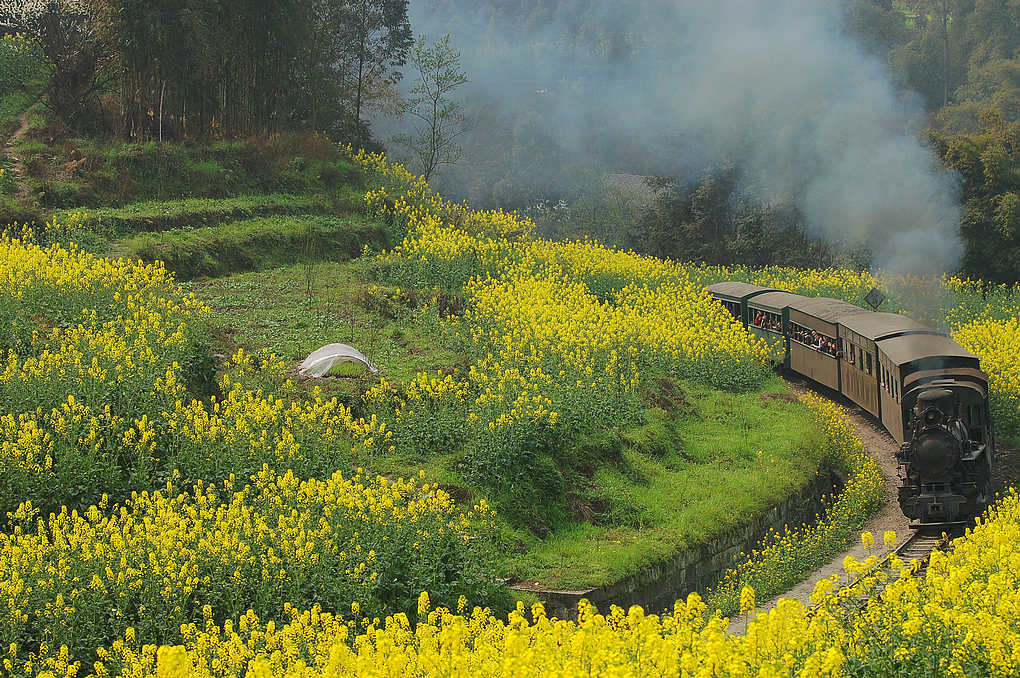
[[927, 391]]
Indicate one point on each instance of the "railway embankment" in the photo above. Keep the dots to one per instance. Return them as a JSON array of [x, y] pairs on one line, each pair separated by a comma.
[[658, 586], [881, 448]]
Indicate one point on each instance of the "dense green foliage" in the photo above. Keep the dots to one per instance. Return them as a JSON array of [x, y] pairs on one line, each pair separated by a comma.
[[712, 221], [21, 72], [989, 163], [173, 69], [960, 55]]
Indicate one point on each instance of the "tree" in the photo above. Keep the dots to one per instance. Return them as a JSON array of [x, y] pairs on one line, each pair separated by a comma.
[[75, 45], [438, 119], [377, 40], [989, 165]]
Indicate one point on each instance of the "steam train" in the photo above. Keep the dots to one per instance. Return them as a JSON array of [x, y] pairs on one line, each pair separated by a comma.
[[927, 391]]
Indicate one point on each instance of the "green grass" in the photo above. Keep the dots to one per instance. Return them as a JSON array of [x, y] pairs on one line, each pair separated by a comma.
[[273, 310], [254, 244], [164, 215], [70, 172], [681, 480]]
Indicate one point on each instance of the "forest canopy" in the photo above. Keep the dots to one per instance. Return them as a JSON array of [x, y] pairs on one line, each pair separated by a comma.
[[173, 68]]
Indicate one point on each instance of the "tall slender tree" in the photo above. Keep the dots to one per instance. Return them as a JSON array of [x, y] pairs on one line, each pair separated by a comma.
[[438, 118], [378, 40]]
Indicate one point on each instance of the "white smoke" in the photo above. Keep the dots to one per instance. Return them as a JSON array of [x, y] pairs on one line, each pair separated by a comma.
[[777, 88]]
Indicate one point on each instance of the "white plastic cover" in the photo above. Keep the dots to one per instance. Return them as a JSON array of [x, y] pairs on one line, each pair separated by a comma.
[[322, 360]]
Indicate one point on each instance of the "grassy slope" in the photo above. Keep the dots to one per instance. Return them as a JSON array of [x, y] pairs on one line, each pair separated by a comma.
[[273, 310], [725, 458], [164, 215], [253, 244]]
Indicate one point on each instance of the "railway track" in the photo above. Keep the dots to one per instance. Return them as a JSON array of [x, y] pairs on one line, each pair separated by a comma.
[[919, 548], [913, 554]]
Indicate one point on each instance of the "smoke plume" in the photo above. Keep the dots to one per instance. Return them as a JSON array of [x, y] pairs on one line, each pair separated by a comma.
[[778, 89]]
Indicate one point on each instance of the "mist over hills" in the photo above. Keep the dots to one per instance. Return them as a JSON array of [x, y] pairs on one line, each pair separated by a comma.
[[780, 91]]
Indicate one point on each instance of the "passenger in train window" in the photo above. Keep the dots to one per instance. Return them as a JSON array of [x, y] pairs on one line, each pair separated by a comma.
[[758, 319]]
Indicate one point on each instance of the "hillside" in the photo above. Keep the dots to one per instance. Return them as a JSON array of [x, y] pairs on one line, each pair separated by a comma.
[[551, 418]]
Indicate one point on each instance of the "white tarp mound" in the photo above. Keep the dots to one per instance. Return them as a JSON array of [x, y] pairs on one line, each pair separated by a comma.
[[322, 360]]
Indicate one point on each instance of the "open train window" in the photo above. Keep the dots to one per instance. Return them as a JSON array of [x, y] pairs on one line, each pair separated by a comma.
[[773, 322], [871, 369], [813, 339]]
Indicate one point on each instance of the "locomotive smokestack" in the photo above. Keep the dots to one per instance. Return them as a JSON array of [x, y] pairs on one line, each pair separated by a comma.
[[779, 89]]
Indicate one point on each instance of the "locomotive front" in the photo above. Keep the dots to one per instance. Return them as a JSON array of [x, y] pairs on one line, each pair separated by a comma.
[[945, 465]]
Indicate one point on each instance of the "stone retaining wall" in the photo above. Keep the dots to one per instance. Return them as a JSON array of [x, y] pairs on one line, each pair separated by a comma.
[[659, 586]]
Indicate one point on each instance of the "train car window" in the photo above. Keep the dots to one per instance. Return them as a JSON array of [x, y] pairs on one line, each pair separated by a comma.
[[814, 340], [870, 367], [772, 322]]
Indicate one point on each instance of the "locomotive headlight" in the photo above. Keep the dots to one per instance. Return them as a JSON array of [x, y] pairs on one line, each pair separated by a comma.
[[932, 417]]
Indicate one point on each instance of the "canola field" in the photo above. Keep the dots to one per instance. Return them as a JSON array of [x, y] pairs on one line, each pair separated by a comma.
[[959, 620], [164, 519]]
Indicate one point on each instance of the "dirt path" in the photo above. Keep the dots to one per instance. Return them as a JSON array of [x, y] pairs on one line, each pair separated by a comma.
[[882, 448], [17, 166]]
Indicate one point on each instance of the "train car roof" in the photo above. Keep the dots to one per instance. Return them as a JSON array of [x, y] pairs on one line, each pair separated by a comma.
[[876, 325], [829, 310], [776, 300], [737, 290], [909, 347]]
